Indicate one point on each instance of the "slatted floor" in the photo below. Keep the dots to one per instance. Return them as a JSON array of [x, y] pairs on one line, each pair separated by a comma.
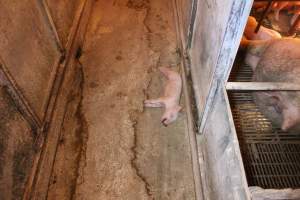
[[271, 157]]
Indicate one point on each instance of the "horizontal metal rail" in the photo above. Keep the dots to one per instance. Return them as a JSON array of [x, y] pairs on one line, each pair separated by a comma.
[[247, 86]]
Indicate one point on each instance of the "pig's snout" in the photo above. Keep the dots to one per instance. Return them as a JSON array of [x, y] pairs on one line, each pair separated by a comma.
[[170, 115], [291, 118]]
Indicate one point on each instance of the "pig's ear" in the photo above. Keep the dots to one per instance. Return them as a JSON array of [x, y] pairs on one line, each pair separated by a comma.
[[276, 103], [290, 118], [274, 100]]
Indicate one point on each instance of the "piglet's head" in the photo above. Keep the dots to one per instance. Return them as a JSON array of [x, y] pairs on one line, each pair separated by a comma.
[[289, 110], [170, 115]]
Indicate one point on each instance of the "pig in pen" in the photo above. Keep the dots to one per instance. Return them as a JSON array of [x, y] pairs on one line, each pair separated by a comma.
[[267, 118]]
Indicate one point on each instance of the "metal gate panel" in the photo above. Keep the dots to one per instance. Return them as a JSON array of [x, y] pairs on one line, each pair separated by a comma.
[[221, 165], [217, 30], [209, 29]]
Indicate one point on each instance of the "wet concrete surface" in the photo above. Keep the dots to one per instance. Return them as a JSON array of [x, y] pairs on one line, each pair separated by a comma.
[[128, 153], [17, 149], [71, 141]]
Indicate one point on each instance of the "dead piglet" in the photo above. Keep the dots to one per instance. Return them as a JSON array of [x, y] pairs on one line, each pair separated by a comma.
[[171, 97], [279, 61]]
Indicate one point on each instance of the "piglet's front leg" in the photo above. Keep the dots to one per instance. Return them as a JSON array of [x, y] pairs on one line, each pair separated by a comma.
[[154, 103]]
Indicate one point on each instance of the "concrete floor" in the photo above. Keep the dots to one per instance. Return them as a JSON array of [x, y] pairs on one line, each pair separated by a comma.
[[128, 154], [17, 149]]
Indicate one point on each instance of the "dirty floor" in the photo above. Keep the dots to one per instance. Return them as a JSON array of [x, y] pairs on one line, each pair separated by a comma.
[[17, 149], [129, 155]]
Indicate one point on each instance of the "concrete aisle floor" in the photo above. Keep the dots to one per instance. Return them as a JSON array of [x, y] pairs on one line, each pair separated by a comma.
[[129, 154]]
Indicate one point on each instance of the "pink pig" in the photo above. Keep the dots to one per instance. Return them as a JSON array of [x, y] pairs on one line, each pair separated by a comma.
[[171, 97]]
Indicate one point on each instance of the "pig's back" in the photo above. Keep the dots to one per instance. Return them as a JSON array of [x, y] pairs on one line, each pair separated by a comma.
[[280, 62]]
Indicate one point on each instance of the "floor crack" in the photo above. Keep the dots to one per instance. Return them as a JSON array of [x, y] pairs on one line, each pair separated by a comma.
[[149, 31], [135, 157], [83, 132], [142, 5]]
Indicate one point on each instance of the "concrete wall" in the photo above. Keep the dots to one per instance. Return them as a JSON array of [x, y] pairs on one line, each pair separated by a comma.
[[222, 167]]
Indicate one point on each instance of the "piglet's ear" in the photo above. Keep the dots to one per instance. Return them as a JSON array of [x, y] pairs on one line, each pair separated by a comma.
[[276, 103]]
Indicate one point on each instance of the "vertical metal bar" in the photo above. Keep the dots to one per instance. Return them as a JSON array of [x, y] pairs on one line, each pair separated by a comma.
[[266, 11], [192, 23], [296, 24]]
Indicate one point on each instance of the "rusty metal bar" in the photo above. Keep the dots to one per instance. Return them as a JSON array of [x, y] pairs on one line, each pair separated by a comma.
[[266, 11], [296, 24]]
